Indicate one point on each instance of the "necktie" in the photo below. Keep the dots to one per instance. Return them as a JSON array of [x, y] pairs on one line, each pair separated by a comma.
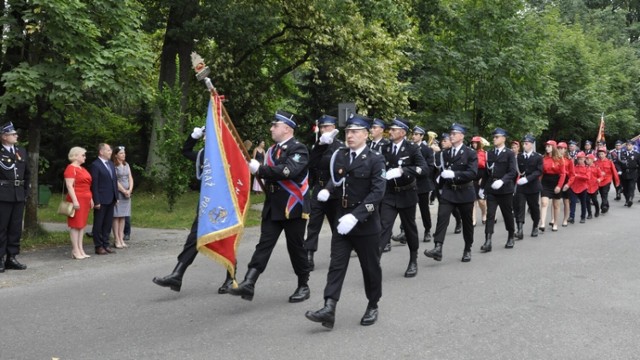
[[453, 152], [108, 168], [353, 157], [12, 151], [395, 150], [526, 156], [373, 145]]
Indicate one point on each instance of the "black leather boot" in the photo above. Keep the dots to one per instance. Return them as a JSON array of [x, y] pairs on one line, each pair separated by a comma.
[[326, 315], [487, 243], [458, 228], [435, 253], [534, 231], [302, 292], [519, 234], [412, 268], [427, 236], [245, 289], [466, 256], [510, 241], [310, 260], [370, 316], [401, 238], [227, 284], [173, 280]]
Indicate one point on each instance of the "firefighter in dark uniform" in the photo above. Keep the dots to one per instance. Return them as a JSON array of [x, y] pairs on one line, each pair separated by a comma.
[[588, 148], [528, 186], [190, 250], [460, 167], [377, 135], [319, 159], [286, 207], [573, 149], [615, 155], [404, 163], [629, 163], [499, 183], [445, 144], [358, 178], [14, 188]]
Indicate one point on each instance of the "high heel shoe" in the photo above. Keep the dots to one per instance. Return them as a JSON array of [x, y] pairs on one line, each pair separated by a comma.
[[119, 247], [565, 224], [73, 256], [551, 223], [554, 228], [86, 256], [541, 228]]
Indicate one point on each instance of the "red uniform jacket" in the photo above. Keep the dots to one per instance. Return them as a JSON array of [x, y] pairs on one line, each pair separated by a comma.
[[568, 168], [595, 179], [551, 167], [609, 172], [580, 182]]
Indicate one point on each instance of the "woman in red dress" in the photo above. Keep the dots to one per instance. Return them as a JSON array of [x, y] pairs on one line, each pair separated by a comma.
[[78, 182], [478, 146], [553, 174]]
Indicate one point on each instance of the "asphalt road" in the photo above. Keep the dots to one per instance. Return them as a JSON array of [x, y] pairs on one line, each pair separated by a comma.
[[571, 294]]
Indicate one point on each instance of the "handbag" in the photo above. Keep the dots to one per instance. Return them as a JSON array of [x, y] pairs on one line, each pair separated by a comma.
[[65, 207]]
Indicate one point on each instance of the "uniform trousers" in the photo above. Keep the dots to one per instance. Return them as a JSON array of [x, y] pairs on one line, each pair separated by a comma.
[[425, 213], [189, 250], [444, 215], [604, 196], [593, 199], [366, 247], [582, 198], [505, 201], [388, 216], [10, 227], [533, 201], [318, 212], [270, 231], [102, 223], [628, 188]]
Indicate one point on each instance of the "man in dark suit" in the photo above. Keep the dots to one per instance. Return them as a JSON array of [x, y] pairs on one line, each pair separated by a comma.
[[460, 167], [528, 186], [319, 160], [190, 250], [629, 164], [14, 187], [425, 183], [358, 180], [377, 135], [104, 189], [404, 163], [499, 183], [286, 207]]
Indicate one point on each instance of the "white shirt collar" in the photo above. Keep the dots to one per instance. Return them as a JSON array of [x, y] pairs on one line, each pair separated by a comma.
[[284, 141], [359, 150]]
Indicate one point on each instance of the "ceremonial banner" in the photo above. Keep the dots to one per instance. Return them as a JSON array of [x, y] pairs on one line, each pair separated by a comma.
[[224, 193], [600, 136]]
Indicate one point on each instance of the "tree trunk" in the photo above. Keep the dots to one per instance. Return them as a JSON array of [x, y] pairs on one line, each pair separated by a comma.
[[31, 207], [177, 46]]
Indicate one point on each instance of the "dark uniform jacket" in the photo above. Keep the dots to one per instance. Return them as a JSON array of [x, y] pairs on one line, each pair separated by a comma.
[[615, 156], [14, 175], [425, 183], [629, 164], [459, 190], [530, 168], [189, 153], [362, 190], [501, 166], [319, 160], [402, 191], [290, 164], [379, 145]]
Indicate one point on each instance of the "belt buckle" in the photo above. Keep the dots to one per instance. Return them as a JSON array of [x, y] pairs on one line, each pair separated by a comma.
[[345, 203], [16, 182]]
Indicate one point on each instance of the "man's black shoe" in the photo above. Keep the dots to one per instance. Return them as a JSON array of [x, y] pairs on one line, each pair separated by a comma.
[[370, 316], [435, 253], [466, 256]]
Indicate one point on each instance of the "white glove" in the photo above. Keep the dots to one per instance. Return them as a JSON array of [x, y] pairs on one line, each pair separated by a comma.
[[522, 181], [619, 172], [497, 184], [447, 174], [323, 195], [481, 194], [346, 224], [327, 138], [197, 132], [394, 173], [254, 165]]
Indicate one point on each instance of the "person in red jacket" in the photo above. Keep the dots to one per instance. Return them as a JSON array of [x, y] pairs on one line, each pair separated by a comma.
[[553, 175], [478, 146], [567, 197], [609, 174], [579, 185], [595, 178]]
